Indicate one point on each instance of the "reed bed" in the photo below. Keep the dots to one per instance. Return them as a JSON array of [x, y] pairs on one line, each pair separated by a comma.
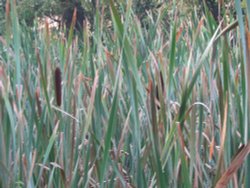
[[130, 105]]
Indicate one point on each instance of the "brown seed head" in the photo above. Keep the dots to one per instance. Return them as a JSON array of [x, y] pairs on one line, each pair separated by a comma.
[[58, 86]]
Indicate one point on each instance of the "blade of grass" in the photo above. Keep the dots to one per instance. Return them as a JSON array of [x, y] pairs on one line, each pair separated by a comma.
[[172, 58], [222, 141], [233, 167], [246, 76], [16, 44], [110, 131], [48, 150]]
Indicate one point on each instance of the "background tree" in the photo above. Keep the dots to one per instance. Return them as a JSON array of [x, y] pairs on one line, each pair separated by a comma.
[[29, 10]]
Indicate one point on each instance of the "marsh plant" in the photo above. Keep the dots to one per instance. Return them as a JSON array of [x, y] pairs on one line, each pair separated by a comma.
[[125, 104]]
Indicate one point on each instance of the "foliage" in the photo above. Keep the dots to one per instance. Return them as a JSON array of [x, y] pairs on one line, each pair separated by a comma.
[[29, 10], [131, 105]]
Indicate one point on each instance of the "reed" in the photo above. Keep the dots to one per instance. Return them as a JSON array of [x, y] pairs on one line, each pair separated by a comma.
[[161, 104]]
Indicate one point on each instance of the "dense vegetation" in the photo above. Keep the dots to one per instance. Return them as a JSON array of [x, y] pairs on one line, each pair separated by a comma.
[[126, 98]]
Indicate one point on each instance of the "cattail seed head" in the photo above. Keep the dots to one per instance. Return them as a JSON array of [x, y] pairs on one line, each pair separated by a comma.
[[38, 102], [58, 86], [161, 85]]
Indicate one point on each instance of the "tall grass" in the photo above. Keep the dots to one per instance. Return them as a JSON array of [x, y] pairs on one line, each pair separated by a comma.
[[159, 105]]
